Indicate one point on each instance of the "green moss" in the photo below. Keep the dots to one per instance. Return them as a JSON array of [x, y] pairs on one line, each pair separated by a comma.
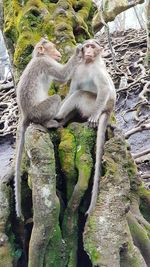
[[67, 151], [130, 166], [54, 87], [10, 30], [5, 257], [15, 252], [11, 9], [144, 195], [55, 19], [128, 257], [24, 48], [96, 22], [90, 245], [84, 163], [85, 134], [70, 230], [82, 29], [85, 140], [23, 52], [83, 8], [144, 208], [138, 232], [53, 258]]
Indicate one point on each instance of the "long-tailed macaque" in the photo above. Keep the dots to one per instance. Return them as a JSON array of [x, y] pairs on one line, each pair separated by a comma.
[[92, 94], [32, 96]]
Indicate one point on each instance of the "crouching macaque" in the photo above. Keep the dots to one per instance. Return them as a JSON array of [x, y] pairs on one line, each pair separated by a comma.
[[32, 96], [92, 94]]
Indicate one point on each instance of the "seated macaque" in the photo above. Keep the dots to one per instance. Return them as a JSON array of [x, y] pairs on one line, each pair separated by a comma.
[[32, 95], [92, 94]]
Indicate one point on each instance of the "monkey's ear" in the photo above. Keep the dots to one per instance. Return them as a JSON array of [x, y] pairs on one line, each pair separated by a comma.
[[101, 49], [41, 49]]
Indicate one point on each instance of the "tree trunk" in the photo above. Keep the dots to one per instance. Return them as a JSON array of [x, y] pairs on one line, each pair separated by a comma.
[[58, 167]]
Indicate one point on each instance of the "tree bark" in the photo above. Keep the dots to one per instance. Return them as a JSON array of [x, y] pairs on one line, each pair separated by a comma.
[[107, 238], [109, 234]]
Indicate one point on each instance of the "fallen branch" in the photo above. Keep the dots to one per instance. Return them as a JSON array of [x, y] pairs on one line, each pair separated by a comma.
[[140, 154], [131, 84], [145, 176], [8, 85], [144, 91], [140, 128]]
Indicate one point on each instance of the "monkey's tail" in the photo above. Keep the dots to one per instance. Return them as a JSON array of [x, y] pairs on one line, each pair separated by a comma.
[[99, 154], [17, 179]]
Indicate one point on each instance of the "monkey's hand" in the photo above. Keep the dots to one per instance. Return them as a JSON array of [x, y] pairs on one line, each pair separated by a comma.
[[93, 120], [78, 51]]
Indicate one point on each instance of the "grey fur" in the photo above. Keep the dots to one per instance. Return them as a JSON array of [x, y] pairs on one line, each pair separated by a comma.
[[92, 93], [32, 97]]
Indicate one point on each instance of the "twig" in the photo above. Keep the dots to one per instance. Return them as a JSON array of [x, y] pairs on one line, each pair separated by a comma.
[[140, 128], [131, 84], [8, 85], [144, 91], [145, 176], [140, 154]]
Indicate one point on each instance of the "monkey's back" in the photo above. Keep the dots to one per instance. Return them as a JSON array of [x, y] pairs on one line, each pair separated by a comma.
[[33, 85]]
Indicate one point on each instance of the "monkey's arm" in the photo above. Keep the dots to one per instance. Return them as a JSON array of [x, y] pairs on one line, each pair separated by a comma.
[[104, 103], [100, 106], [68, 105], [105, 99], [63, 73]]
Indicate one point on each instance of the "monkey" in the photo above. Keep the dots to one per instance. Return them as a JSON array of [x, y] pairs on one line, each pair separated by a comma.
[[92, 94], [32, 96]]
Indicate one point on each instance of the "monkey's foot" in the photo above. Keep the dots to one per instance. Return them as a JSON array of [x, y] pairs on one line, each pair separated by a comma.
[[58, 117], [93, 120], [39, 127], [51, 124]]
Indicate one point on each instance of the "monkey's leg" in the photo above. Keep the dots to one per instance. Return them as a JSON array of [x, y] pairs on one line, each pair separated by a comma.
[[69, 104], [46, 110]]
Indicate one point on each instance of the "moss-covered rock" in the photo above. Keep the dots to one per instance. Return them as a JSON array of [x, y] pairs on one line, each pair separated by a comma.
[[7, 249], [67, 152], [75, 153], [46, 232], [106, 231]]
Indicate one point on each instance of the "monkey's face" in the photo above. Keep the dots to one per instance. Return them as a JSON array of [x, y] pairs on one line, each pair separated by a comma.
[[52, 52], [90, 51], [47, 48]]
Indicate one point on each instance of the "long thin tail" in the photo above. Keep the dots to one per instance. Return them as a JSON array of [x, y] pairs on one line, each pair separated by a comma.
[[17, 178], [99, 154]]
